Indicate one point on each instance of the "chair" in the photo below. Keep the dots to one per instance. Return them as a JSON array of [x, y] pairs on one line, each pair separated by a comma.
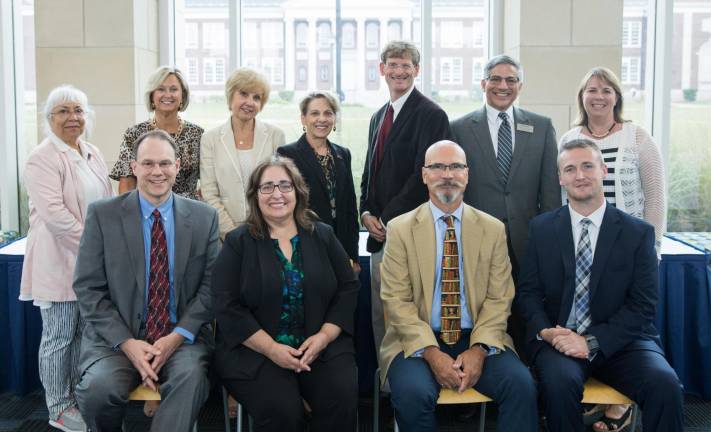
[[446, 397], [238, 420], [142, 393], [597, 392]]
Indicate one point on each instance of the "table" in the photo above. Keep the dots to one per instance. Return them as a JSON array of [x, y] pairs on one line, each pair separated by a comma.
[[684, 314], [20, 327]]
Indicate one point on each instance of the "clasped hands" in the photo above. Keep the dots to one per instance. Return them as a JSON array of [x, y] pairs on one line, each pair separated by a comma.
[[298, 360], [566, 341], [149, 359], [457, 374]]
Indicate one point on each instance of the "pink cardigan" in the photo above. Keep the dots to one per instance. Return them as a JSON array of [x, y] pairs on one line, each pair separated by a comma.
[[56, 218]]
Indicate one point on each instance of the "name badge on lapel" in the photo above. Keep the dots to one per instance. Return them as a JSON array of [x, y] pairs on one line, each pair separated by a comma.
[[524, 127]]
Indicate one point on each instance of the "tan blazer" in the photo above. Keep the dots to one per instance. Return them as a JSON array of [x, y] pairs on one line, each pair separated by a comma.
[[221, 180], [408, 278]]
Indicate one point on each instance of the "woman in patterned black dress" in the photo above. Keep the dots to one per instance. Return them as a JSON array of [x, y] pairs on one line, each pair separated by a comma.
[[167, 94], [284, 296], [326, 168]]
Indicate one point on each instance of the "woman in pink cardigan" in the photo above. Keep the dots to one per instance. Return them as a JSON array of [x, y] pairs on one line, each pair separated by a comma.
[[62, 176]]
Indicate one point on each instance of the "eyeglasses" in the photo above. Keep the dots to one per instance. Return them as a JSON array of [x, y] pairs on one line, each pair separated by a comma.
[[65, 113], [440, 167], [510, 81], [268, 188], [148, 164]]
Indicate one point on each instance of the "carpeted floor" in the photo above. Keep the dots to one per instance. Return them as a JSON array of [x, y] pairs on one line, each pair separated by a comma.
[[29, 414]]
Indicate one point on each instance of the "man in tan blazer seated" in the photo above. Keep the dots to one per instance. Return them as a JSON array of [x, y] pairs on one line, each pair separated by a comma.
[[446, 311]]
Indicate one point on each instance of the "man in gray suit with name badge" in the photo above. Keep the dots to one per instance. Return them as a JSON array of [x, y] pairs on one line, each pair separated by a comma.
[[142, 280], [511, 155]]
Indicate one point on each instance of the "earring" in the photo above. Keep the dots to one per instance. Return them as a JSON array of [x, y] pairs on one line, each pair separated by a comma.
[[303, 128], [153, 106], [334, 128]]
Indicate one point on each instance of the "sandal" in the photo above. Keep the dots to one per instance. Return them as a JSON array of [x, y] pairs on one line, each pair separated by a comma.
[[618, 425]]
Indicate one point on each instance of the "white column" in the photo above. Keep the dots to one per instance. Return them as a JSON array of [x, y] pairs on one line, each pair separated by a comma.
[[686, 54], [9, 103]]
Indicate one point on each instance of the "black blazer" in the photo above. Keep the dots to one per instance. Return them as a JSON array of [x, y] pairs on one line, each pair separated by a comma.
[[246, 290], [346, 223], [398, 188], [624, 281]]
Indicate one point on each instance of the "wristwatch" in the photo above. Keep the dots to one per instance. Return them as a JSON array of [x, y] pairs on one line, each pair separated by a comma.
[[593, 346]]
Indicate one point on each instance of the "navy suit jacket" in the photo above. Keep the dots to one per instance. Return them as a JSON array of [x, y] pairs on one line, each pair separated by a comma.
[[624, 281], [397, 187]]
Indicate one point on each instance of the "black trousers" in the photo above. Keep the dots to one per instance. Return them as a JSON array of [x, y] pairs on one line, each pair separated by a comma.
[[274, 397]]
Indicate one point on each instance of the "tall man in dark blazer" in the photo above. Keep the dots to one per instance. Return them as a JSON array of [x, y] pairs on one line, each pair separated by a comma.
[[142, 280], [588, 292], [400, 132]]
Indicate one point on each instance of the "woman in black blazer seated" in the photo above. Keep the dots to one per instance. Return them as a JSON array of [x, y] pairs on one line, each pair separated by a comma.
[[326, 167], [284, 296]]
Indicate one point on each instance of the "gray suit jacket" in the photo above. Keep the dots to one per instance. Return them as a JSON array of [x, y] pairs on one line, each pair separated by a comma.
[[109, 278], [532, 187]]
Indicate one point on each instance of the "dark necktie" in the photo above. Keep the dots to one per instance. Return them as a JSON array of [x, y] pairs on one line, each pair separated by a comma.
[[383, 135], [504, 153], [157, 318], [583, 264], [451, 316]]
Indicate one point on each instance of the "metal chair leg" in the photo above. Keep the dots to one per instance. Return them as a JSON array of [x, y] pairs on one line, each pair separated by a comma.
[[482, 417], [226, 410], [376, 401]]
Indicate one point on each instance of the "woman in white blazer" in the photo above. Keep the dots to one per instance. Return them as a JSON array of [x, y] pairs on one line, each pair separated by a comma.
[[229, 153]]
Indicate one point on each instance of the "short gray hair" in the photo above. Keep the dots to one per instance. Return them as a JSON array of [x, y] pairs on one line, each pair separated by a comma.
[[156, 79], [63, 94], [580, 143], [158, 134], [502, 59], [400, 49]]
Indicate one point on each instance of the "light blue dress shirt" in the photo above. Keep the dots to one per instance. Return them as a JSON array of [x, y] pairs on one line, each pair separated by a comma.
[[440, 229], [166, 212]]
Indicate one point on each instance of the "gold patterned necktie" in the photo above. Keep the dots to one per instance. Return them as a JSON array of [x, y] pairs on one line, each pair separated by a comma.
[[451, 317]]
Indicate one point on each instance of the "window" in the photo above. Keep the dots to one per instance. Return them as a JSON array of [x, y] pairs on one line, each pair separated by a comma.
[[213, 34], [213, 71], [477, 71], [478, 34], [272, 34], [348, 35], [631, 34], [372, 34], [323, 74], [416, 38], [250, 35], [630, 70], [192, 71], [302, 34], [450, 70], [273, 68], [191, 35], [394, 30], [324, 34], [451, 34], [372, 73], [302, 74]]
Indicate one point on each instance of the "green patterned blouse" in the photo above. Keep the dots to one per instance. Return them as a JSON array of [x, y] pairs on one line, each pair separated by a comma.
[[291, 319]]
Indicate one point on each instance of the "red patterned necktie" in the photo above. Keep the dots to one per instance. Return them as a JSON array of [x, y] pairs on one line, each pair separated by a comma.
[[451, 316], [383, 135], [157, 318]]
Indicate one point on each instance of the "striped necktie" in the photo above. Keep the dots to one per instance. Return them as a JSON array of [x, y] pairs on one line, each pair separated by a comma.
[[451, 316], [583, 264], [504, 153], [157, 318]]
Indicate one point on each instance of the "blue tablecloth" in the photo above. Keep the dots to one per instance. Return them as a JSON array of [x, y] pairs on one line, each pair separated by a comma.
[[684, 319], [20, 331]]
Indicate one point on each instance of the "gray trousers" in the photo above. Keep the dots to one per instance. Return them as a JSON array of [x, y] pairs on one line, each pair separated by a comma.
[[59, 355], [103, 391]]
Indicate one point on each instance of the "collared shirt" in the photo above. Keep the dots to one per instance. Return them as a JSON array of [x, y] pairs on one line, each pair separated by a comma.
[[166, 212], [593, 233], [399, 102], [440, 229], [492, 117]]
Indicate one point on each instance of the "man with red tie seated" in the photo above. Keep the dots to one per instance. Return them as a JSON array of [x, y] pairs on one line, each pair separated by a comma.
[[142, 280], [400, 132], [588, 291], [447, 293]]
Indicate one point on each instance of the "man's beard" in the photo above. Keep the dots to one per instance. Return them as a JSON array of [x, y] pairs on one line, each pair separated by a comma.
[[450, 195]]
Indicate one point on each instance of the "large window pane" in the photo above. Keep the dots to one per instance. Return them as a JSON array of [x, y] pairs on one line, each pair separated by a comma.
[[28, 128], [202, 52], [459, 52], [690, 153], [633, 76]]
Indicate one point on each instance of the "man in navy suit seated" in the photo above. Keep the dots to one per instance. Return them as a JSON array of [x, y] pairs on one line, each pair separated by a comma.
[[588, 292]]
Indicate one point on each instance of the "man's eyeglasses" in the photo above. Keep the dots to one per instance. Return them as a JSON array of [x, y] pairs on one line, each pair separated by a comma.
[[510, 81], [440, 167], [268, 188]]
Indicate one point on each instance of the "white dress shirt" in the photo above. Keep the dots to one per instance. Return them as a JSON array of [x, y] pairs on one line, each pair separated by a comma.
[[399, 102], [492, 117]]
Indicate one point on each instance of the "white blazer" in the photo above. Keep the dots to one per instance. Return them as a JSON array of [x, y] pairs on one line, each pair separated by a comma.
[[221, 180]]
